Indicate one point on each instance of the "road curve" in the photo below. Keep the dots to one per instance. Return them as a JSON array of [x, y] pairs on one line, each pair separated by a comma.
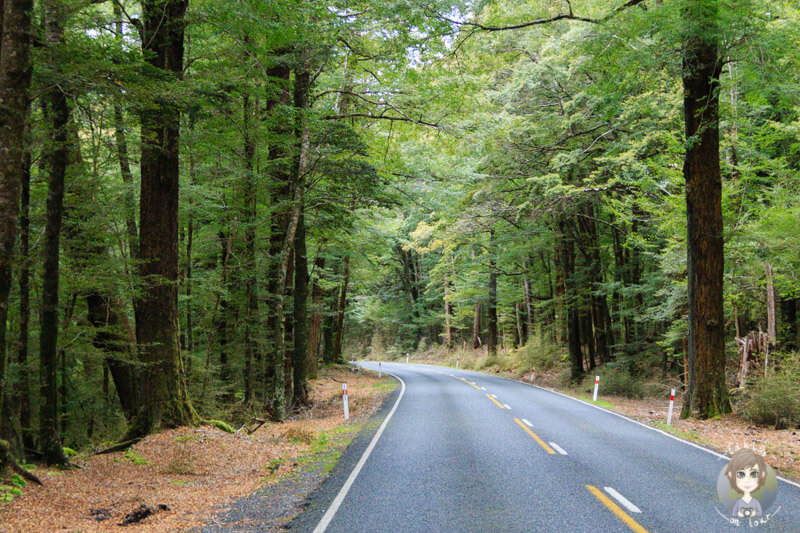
[[464, 451]]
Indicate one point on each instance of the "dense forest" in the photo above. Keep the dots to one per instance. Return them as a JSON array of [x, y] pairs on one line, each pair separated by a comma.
[[203, 202]]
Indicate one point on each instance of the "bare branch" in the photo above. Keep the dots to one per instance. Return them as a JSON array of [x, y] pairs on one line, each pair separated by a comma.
[[538, 22]]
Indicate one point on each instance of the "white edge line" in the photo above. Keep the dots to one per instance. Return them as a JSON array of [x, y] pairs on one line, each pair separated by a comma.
[[623, 500], [525, 420], [507, 406], [670, 435], [558, 448], [651, 428], [337, 502]]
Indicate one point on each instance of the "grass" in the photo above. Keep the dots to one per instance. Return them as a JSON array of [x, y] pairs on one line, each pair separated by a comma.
[[588, 399], [687, 435]]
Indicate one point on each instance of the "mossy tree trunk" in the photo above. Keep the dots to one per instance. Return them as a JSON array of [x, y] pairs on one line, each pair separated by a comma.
[[706, 395], [163, 398]]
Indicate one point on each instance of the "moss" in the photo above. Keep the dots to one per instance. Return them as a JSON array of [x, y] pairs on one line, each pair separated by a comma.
[[219, 424]]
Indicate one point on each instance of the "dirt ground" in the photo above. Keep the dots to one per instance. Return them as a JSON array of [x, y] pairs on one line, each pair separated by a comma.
[[192, 471]]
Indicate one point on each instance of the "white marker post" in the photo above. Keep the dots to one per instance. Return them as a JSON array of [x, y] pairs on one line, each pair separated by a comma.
[[596, 386], [406, 358], [458, 360], [344, 399], [379, 369], [533, 374], [671, 404]]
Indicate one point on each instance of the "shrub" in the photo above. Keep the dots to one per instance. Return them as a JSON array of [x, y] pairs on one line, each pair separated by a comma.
[[775, 399], [617, 380]]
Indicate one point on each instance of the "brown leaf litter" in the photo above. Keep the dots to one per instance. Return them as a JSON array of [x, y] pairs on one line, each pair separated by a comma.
[[189, 472]]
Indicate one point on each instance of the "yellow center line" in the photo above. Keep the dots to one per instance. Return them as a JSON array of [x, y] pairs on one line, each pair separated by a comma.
[[614, 508], [498, 404], [468, 383], [542, 443]]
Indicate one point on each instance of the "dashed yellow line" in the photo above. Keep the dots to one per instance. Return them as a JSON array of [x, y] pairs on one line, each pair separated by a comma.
[[498, 404], [469, 383], [614, 508], [542, 443]]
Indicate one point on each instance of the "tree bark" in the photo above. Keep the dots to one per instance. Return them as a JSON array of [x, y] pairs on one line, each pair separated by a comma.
[[337, 347], [491, 340], [23, 391], [164, 400], [124, 162], [567, 264], [706, 395], [58, 113], [315, 327], [15, 78], [476, 326], [299, 374], [448, 314], [252, 352]]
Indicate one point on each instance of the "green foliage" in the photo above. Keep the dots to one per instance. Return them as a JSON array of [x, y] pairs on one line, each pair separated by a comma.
[[8, 492], [135, 458], [616, 380], [69, 452], [774, 400], [219, 424]]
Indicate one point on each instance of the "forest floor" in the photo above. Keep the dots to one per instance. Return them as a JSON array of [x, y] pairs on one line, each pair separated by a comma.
[[194, 472]]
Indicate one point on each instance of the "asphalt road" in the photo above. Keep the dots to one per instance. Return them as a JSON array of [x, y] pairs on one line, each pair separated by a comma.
[[461, 451]]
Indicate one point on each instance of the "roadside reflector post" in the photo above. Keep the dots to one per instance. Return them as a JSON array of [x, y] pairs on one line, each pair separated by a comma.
[[596, 386], [671, 405], [406, 358], [379, 369], [458, 360], [533, 374], [344, 399]]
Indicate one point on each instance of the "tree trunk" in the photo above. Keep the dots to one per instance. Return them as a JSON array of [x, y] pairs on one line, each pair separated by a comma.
[[476, 326], [528, 304], [594, 267], [520, 335], [771, 326], [253, 355], [337, 347], [222, 318], [587, 336], [315, 327], [164, 400], [707, 394], [491, 340], [58, 113], [567, 263], [448, 314], [15, 77], [23, 390], [189, 262], [300, 389]]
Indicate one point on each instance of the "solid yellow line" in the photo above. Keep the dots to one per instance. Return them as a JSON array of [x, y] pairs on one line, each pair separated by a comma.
[[468, 383], [496, 402], [542, 443], [614, 508]]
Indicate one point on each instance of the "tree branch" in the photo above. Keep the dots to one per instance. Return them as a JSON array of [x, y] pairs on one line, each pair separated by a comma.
[[537, 22]]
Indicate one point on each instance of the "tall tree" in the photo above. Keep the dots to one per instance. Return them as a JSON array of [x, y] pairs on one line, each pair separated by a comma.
[[58, 111], [706, 394], [15, 78], [163, 396]]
